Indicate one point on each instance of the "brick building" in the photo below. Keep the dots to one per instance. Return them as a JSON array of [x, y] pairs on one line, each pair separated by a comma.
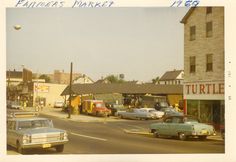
[[204, 64], [60, 77]]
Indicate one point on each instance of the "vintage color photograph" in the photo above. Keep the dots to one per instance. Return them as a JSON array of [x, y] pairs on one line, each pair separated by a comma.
[[145, 80]]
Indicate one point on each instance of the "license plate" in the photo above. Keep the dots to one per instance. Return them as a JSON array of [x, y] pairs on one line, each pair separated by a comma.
[[204, 131], [47, 145]]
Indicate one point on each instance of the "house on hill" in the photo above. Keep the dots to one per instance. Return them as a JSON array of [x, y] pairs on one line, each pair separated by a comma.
[[172, 77]]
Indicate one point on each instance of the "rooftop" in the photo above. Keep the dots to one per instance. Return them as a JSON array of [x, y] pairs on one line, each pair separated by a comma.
[[128, 88]]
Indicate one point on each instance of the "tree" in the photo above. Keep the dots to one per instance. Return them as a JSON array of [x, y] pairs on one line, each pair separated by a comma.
[[47, 78], [114, 79], [155, 80]]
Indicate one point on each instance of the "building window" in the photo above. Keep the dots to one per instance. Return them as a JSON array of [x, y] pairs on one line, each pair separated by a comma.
[[192, 64], [209, 29], [209, 62], [208, 10], [192, 33]]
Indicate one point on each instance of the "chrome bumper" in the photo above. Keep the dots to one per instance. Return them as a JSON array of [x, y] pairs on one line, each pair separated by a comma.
[[44, 145]]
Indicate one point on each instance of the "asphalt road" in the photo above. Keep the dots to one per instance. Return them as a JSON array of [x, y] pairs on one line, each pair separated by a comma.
[[110, 138]]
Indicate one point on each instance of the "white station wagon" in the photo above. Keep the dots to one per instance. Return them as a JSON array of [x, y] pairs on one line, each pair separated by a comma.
[[25, 130]]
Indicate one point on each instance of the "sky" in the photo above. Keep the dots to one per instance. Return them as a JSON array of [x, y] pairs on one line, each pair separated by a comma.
[[141, 43]]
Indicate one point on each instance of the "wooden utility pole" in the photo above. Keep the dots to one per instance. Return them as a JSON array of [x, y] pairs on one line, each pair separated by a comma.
[[70, 91]]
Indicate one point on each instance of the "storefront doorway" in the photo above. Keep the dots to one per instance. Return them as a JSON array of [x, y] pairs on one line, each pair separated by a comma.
[[216, 115]]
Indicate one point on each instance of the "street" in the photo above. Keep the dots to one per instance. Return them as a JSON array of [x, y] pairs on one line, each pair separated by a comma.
[[112, 138]]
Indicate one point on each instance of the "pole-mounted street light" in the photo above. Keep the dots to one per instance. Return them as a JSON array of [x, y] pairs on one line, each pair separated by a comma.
[[17, 27]]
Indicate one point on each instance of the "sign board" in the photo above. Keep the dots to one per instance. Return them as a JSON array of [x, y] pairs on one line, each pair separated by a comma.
[[204, 90], [41, 88]]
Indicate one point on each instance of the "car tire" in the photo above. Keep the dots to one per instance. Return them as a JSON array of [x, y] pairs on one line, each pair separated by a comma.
[[182, 136], [155, 133], [202, 137], [19, 148], [60, 148]]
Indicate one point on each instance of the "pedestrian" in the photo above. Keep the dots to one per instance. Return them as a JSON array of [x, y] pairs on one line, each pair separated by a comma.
[[24, 104]]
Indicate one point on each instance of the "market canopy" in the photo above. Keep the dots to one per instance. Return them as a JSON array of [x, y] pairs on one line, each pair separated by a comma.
[[123, 88]]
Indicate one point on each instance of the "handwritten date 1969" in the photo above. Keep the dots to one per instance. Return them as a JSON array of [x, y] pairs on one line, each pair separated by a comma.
[[186, 3]]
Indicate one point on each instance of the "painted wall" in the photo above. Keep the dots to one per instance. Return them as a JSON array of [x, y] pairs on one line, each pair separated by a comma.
[[51, 92]]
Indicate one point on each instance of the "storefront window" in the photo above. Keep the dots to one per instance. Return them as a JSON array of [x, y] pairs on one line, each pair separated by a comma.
[[206, 111], [192, 108]]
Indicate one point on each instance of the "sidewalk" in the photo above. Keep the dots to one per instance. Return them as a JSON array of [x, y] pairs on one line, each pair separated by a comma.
[[56, 112]]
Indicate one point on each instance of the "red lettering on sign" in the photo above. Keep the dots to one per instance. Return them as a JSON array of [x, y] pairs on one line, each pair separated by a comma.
[[221, 88], [208, 88], [214, 89], [194, 89], [205, 88], [202, 89], [188, 87]]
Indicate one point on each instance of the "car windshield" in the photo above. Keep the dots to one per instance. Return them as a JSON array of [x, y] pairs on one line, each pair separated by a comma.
[[118, 106], [190, 120], [152, 111], [164, 104], [169, 109], [34, 124], [99, 105], [59, 102], [15, 103]]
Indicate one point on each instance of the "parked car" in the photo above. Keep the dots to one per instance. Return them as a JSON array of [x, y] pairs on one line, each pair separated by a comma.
[[135, 113], [115, 108], [161, 104], [182, 127], [25, 130], [169, 111], [13, 105], [59, 104], [158, 114]]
